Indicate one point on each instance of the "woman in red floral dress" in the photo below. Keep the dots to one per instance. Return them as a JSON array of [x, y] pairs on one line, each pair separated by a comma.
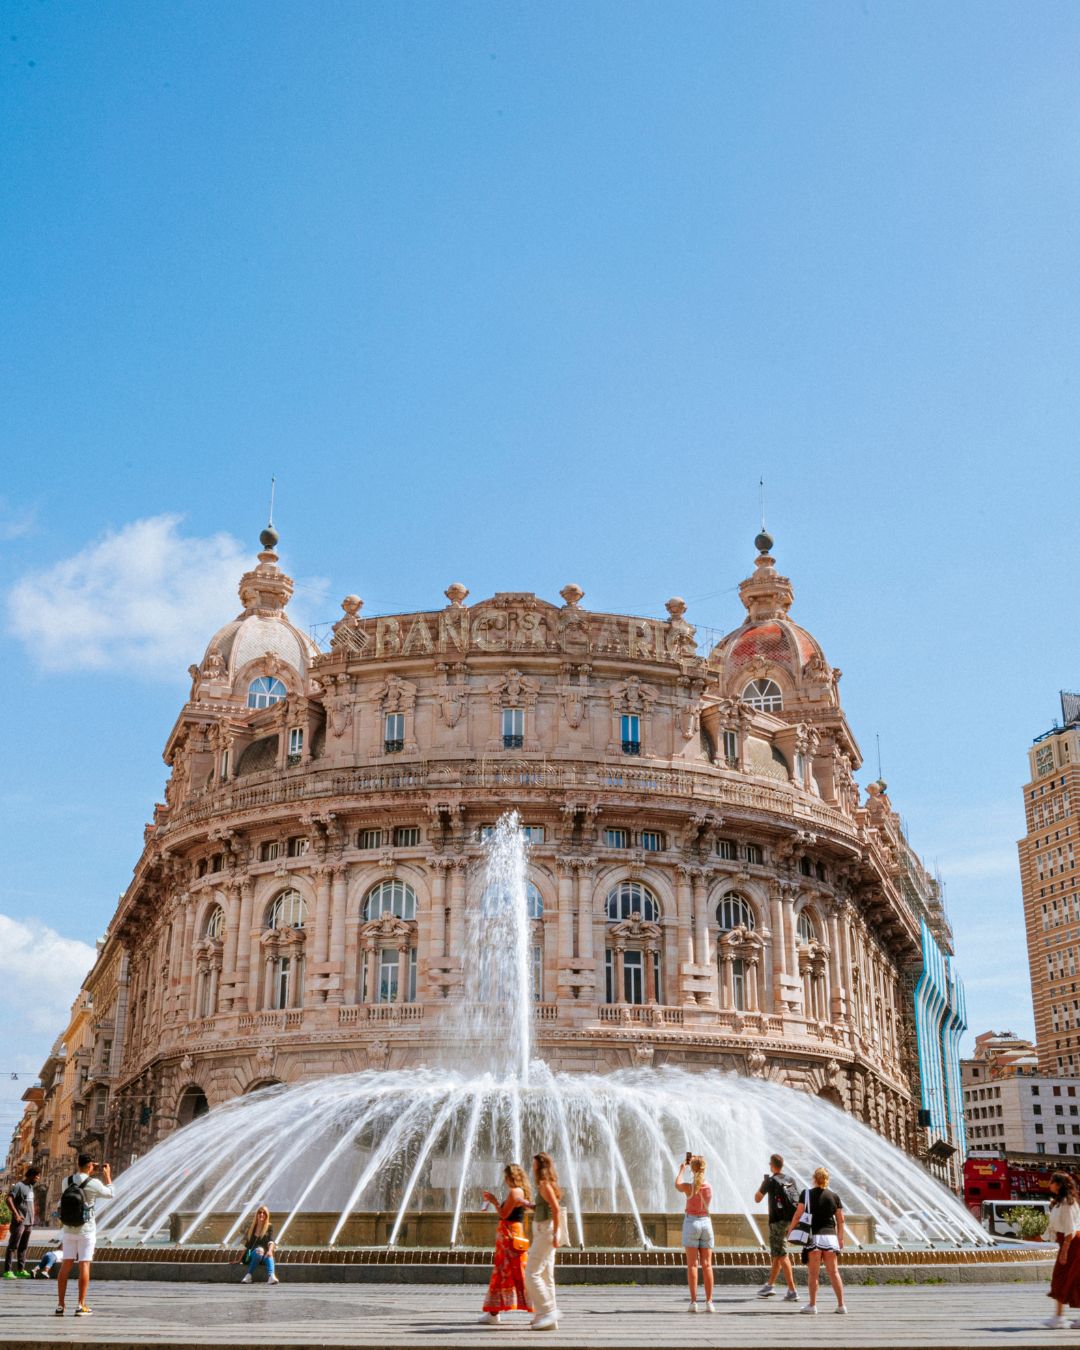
[[506, 1292]]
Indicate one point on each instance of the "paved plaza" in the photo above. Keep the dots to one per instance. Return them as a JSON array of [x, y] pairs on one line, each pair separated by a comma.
[[164, 1315]]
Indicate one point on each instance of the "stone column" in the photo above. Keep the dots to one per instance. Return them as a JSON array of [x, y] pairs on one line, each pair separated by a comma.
[[835, 966], [650, 974], [684, 909], [565, 939], [268, 979], [402, 972], [229, 955], [321, 952], [187, 966], [702, 943], [437, 927], [727, 980], [586, 945], [212, 999], [243, 993], [371, 980], [338, 886], [457, 910], [620, 979]]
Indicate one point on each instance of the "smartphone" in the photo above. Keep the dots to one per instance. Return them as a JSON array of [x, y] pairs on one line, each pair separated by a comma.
[[689, 1155]]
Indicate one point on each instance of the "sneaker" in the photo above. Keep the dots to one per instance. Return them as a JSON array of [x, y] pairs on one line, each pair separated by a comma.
[[810, 1308], [792, 1296], [59, 1310], [247, 1278], [693, 1306], [22, 1274], [709, 1305], [1075, 1324], [766, 1291], [273, 1280], [841, 1308], [82, 1310], [549, 1322], [9, 1275], [1056, 1323], [489, 1319]]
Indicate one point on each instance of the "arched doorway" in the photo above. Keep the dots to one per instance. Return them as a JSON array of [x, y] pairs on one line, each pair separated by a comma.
[[192, 1105]]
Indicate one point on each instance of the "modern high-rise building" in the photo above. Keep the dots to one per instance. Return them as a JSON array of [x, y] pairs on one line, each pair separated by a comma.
[[1051, 889]]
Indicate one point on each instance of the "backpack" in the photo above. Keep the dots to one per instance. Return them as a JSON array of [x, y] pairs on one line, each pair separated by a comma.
[[787, 1202], [75, 1209]]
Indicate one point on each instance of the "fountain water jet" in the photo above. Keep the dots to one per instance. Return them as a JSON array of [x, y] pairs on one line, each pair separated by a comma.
[[433, 1138]]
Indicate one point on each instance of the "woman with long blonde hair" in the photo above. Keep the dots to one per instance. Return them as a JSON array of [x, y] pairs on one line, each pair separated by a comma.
[[825, 1210], [259, 1246], [697, 1230], [547, 1235], [506, 1290]]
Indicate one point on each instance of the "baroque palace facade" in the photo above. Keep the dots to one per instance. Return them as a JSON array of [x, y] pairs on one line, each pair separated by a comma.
[[707, 887]]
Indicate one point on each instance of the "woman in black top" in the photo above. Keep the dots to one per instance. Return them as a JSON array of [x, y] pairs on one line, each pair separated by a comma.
[[826, 1238], [259, 1246], [506, 1291]]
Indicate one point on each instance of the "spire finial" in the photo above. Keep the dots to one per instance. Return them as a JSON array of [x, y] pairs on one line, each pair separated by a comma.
[[764, 541], [269, 536]]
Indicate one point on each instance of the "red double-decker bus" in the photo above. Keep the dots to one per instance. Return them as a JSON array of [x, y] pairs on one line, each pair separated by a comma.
[[1002, 1179]]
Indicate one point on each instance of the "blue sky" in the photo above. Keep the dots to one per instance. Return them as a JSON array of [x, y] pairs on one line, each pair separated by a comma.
[[520, 294]]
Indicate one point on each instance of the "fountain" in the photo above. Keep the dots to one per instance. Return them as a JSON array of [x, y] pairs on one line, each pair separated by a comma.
[[401, 1157]]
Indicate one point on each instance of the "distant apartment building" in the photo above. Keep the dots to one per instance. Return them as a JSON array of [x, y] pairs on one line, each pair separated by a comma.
[[1010, 1108], [1050, 883]]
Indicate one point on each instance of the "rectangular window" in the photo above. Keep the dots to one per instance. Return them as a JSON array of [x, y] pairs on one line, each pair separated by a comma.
[[369, 839], [1038, 1129], [1040, 1148], [652, 841], [394, 733], [298, 846], [617, 838], [609, 976], [226, 760], [738, 984], [388, 972], [282, 981], [534, 834], [269, 850], [754, 854], [631, 734], [538, 974], [731, 749], [406, 836], [633, 977], [513, 728], [728, 849], [296, 744]]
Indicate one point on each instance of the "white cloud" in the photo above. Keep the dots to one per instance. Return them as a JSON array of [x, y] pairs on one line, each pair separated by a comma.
[[15, 523], [42, 974], [141, 598]]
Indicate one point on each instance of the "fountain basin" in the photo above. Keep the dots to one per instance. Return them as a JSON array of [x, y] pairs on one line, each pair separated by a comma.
[[372, 1228]]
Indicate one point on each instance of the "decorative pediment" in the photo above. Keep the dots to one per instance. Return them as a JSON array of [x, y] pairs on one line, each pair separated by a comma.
[[513, 689], [635, 930], [394, 694], [632, 696], [388, 928]]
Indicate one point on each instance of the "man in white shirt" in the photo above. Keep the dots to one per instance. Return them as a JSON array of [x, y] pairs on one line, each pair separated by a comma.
[[78, 1239]]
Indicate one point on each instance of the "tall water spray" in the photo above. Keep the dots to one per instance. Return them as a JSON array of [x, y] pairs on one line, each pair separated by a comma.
[[495, 1015], [430, 1140]]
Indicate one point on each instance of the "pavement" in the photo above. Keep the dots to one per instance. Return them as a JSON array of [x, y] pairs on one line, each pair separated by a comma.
[[400, 1317]]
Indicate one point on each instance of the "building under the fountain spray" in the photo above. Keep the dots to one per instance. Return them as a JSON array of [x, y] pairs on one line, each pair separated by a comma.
[[705, 885]]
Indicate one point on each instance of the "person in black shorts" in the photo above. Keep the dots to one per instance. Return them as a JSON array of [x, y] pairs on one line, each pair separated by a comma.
[[778, 1186], [826, 1238]]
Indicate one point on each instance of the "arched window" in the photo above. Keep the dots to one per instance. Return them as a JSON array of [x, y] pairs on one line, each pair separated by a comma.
[[390, 897], [804, 929], [764, 695], [535, 902], [192, 1105], [215, 924], [287, 911], [264, 691], [631, 897], [734, 912]]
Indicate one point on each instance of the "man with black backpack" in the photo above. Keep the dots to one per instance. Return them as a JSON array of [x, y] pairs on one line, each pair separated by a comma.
[[78, 1227], [783, 1202]]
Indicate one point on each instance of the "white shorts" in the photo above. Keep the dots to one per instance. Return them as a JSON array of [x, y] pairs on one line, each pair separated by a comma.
[[78, 1246]]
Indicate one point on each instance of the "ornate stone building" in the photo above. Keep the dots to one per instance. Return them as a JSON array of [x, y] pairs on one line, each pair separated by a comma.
[[705, 885]]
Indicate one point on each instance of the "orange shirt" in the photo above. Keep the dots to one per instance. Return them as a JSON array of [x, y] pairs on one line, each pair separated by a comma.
[[698, 1205]]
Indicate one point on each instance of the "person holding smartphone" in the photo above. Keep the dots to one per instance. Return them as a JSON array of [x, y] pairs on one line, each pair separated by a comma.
[[697, 1231]]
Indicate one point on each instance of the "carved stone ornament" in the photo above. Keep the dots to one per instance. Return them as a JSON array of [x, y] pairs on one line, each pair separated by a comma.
[[394, 694], [348, 632], [756, 1062], [632, 696], [187, 1064], [513, 689], [264, 1057], [643, 1055], [450, 696], [456, 593]]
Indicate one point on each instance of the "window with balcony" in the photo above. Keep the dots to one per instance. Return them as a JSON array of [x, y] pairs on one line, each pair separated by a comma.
[[513, 728], [296, 745], [631, 734], [394, 733]]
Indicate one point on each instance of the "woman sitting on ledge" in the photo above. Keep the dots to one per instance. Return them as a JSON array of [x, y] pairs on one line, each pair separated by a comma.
[[259, 1246]]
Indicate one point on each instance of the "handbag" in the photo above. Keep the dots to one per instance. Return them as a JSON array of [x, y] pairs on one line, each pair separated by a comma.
[[801, 1232], [519, 1244]]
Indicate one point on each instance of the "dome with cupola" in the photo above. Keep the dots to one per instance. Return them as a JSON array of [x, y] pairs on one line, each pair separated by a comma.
[[260, 636], [769, 656]]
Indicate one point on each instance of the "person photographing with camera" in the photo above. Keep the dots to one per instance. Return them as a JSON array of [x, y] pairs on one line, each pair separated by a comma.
[[79, 1228], [697, 1230]]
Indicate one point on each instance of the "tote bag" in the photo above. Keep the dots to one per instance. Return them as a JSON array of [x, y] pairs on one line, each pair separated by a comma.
[[801, 1232]]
